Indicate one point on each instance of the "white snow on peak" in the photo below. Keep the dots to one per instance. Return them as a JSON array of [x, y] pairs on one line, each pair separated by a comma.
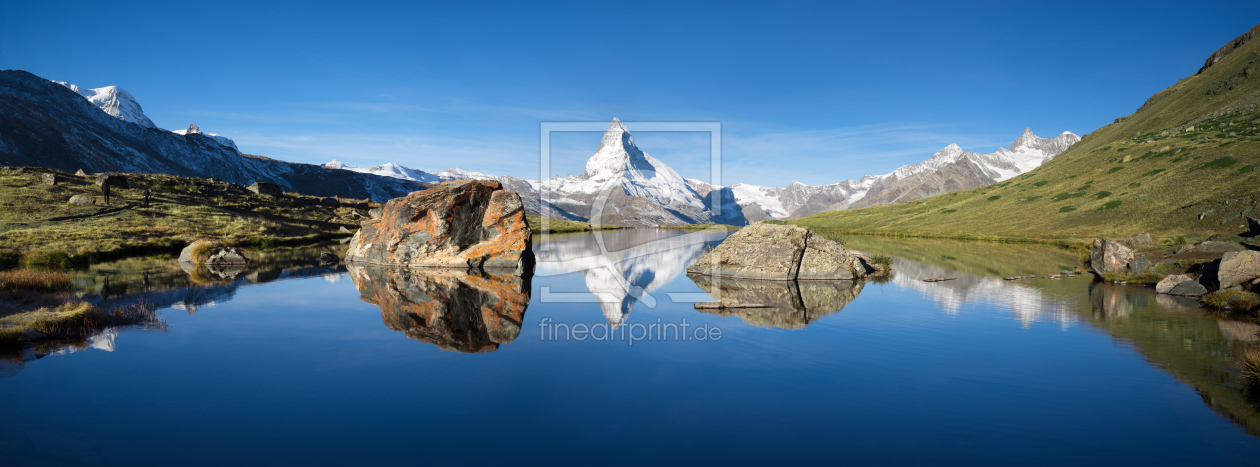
[[456, 173], [194, 130], [114, 101], [387, 170]]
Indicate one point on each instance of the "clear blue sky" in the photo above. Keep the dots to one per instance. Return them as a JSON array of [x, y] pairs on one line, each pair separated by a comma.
[[811, 92]]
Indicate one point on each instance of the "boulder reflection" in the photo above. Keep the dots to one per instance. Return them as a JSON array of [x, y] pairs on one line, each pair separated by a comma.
[[777, 304], [453, 309]]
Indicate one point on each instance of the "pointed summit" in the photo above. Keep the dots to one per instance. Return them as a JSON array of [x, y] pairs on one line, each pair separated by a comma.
[[616, 154]]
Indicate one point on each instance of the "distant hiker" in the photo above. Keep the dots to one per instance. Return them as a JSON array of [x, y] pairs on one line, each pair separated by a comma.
[[148, 193], [105, 191]]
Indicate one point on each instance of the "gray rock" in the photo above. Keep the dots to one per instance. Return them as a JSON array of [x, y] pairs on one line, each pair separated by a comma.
[[779, 252], [1170, 281], [1139, 239], [326, 257], [1188, 289], [51, 178], [1219, 247], [375, 213], [330, 202], [264, 188], [757, 251], [1139, 264], [343, 229], [1238, 267], [80, 173], [82, 200], [219, 254], [1108, 256]]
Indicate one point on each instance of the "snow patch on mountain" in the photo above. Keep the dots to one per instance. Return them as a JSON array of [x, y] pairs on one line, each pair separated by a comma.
[[388, 170], [114, 101], [193, 130]]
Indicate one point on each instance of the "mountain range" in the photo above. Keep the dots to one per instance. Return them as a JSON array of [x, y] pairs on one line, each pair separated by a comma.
[[67, 128], [62, 126]]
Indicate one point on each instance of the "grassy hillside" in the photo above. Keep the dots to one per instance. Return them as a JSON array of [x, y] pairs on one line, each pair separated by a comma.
[[39, 226], [561, 226], [1187, 163]]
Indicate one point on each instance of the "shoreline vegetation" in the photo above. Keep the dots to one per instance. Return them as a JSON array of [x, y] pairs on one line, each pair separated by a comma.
[[56, 220], [38, 306]]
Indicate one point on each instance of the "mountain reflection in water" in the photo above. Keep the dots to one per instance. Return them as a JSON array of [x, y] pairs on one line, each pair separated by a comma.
[[622, 266], [454, 309]]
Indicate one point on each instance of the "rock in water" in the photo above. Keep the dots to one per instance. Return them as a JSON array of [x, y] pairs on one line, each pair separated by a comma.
[[1166, 285], [1108, 256], [82, 200], [1238, 267], [1188, 288], [214, 252], [778, 252], [458, 224]]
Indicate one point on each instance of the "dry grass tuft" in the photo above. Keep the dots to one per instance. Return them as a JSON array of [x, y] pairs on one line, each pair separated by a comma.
[[1249, 363], [75, 319], [30, 279]]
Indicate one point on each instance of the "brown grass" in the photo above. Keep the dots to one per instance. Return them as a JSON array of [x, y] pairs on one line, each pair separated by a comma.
[[30, 279], [75, 319], [1235, 300], [1249, 363]]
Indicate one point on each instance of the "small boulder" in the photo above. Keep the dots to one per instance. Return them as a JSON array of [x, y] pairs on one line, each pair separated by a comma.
[[1108, 256], [51, 178], [1188, 289], [214, 252], [778, 252], [227, 255], [264, 188], [328, 257], [80, 173], [1139, 239], [1166, 285], [330, 202], [343, 229], [1238, 267], [1139, 264], [82, 200], [375, 213]]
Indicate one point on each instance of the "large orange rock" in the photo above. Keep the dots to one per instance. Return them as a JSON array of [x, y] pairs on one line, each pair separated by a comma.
[[455, 310], [460, 224]]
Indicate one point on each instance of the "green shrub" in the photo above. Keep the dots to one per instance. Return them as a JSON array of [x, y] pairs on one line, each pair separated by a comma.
[[1067, 209], [1111, 205], [1249, 168], [1218, 163], [1041, 183], [995, 197], [1063, 196], [1031, 198], [1115, 169], [1102, 194], [882, 260]]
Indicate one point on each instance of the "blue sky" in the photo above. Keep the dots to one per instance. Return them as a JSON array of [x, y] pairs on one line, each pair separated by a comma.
[[810, 92]]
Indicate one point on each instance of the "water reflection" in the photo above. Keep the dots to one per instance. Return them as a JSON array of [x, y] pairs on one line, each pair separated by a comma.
[[621, 266], [454, 309], [776, 304]]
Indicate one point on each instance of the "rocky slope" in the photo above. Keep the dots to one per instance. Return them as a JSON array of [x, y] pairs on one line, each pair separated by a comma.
[[66, 128]]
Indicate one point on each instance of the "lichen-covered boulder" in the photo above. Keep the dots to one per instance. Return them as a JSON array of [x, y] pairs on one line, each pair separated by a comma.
[[1168, 282], [458, 224], [1238, 267], [1189, 289], [778, 252], [1108, 256], [264, 188]]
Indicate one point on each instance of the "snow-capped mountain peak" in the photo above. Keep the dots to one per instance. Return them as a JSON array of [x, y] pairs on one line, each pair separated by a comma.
[[616, 154], [114, 101], [194, 130]]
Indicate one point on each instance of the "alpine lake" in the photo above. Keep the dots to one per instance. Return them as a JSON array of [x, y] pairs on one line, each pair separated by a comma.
[[601, 357]]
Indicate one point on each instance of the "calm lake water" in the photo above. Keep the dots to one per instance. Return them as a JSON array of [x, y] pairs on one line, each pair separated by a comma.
[[293, 362]]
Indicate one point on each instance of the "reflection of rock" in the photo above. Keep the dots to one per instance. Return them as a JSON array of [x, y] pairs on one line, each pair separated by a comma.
[[1109, 300], [462, 224], [1175, 303], [1239, 330], [781, 304], [454, 309]]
